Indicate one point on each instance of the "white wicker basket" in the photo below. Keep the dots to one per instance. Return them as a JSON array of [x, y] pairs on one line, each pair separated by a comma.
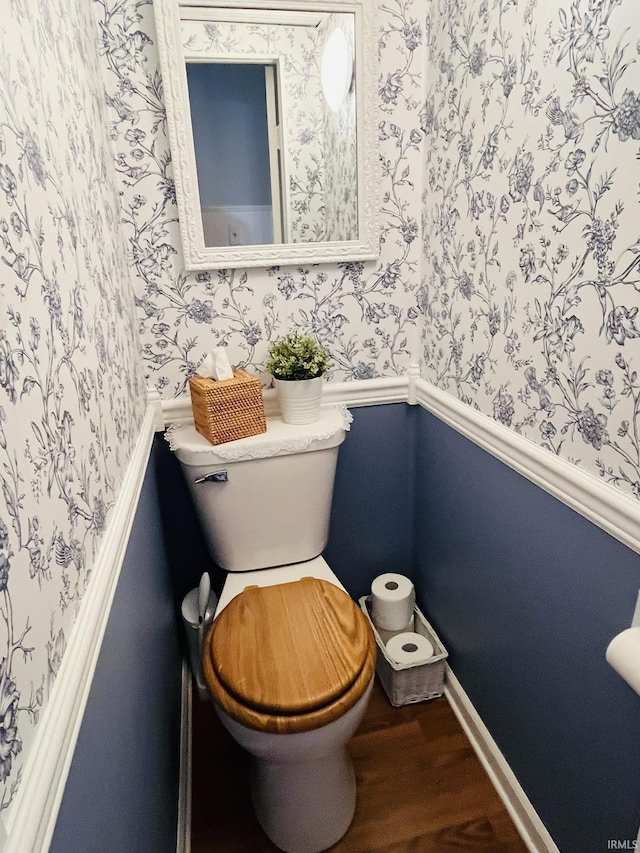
[[407, 683]]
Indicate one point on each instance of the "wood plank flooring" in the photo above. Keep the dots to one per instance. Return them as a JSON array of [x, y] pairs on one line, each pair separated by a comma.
[[421, 788]]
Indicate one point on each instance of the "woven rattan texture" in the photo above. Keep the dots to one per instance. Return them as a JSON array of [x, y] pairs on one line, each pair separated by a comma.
[[227, 409], [403, 683]]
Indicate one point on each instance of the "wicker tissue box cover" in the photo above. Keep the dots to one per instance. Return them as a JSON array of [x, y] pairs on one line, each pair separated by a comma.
[[227, 409], [407, 683]]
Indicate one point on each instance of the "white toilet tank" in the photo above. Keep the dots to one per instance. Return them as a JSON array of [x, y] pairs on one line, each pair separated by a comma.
[[265, 500]]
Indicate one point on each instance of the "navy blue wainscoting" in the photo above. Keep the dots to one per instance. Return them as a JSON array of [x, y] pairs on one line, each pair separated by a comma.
[[122, 791], [372, 513], [526, 594], [184, 540]]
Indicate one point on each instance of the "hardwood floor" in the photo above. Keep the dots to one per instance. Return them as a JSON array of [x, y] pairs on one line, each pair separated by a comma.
[[421, 788]]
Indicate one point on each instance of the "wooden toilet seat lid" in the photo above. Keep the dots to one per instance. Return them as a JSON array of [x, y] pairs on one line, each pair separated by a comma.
[[291, 648]]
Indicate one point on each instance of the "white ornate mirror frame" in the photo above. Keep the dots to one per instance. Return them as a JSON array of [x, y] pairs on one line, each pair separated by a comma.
[[197, 256]]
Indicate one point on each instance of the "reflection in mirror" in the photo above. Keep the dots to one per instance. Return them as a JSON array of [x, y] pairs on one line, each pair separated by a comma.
[[273, 164], [234, 146], [275, 161]]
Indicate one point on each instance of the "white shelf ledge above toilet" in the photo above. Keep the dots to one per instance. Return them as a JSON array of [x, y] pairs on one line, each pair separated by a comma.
[[280, 439]]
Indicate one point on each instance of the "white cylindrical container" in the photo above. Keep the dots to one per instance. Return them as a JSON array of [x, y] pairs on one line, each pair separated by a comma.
[[385, 636], [623, 654], [392, 601], [299, 399], [409, 648]]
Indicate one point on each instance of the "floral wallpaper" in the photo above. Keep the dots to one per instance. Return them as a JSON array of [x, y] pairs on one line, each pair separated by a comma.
[[71, 390], [366, 313], [340, 183], [531, 285], [320, 145], [509, 152]]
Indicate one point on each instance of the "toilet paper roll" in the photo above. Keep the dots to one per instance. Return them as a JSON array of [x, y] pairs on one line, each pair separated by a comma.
[[392, 601], [385, 636], [623, 654], [409, 648]]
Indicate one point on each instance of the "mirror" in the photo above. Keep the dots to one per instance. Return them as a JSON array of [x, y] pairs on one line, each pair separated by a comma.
[[270, 111], [239, 166]]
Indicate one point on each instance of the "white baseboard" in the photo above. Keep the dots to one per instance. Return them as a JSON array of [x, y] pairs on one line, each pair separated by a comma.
[[183, 842], [531, 829], [32, 817]]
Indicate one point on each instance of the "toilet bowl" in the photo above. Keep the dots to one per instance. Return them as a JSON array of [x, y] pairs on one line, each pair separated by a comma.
[[303, 786], [292, 698], [290, 658]]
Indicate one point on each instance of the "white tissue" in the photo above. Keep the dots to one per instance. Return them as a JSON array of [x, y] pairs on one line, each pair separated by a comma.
[[623, 654], [392, 602], [409, 648], [216, 365]]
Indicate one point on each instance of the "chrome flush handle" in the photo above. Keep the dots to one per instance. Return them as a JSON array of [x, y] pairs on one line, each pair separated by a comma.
[[214, 477]]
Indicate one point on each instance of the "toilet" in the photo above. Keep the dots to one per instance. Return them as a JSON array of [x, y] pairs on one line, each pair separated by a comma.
[[290, 658]]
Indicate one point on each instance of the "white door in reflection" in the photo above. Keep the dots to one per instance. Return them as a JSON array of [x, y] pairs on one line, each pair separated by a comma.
[[236, 122]]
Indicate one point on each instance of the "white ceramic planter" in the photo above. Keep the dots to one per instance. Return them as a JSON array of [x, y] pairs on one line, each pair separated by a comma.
[[299, 399]]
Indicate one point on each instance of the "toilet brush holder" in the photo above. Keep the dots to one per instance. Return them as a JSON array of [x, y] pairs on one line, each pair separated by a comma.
[[194, 632]]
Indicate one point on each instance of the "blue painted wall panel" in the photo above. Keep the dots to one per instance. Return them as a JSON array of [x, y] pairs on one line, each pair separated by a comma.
[[526, 594], [372, 513], [122, 791], [232, 154], [186, 548]]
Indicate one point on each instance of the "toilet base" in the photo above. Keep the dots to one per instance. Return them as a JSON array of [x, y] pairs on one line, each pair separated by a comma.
[[304, 807], [303, 785]]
